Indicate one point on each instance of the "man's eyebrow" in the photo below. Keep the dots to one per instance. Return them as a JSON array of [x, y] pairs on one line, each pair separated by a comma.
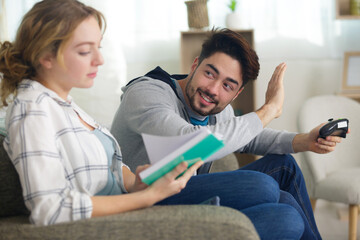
[[213, 68], [233, 81], [217, 72]]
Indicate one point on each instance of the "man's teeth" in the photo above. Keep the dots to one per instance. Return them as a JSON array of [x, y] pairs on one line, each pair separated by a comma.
[[205, 98]]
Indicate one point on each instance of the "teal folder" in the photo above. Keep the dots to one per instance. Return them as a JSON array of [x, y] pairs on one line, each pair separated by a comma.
[[200, 147]]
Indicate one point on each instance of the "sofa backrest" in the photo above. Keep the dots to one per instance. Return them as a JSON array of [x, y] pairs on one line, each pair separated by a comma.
[[11, 199]]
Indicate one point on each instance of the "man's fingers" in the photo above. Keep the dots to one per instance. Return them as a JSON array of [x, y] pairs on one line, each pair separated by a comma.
[[282, 71], [279, 71], [324, 148], [330, 140]]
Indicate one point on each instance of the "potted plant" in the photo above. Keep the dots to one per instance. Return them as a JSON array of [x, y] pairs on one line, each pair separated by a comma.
[[232, 5], [233, 18], [197, 14]]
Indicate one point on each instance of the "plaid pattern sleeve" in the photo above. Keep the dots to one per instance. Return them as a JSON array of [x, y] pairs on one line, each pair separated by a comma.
[[59, 162]]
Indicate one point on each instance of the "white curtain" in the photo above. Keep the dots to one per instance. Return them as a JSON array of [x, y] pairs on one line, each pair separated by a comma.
[[299, 29], [144, 33], [3, 25], [3, 37]]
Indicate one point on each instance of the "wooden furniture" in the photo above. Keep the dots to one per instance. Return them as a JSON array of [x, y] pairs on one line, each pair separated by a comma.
[[343, 10], [191, 42], [351, 87], [355, 96]]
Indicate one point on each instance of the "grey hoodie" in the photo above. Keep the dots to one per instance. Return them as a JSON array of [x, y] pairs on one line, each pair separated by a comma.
[[154, 104]]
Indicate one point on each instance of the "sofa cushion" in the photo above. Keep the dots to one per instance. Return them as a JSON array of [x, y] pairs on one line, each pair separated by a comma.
[[11, 200], [180, 222], [227, 163]]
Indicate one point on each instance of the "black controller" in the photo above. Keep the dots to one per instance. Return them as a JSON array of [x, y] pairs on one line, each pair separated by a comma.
[[337, 127]]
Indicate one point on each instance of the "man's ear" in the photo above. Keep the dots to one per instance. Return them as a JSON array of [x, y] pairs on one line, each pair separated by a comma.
[[237, 94], [47, 60], [194, 64]]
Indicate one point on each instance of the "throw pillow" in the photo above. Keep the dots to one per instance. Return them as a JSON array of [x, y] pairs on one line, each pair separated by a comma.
[[11, 200]]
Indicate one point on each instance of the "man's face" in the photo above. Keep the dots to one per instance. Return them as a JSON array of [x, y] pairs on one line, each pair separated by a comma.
[[213, 84]]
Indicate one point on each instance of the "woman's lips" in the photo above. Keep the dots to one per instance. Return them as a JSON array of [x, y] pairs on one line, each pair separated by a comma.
[[92, 75]]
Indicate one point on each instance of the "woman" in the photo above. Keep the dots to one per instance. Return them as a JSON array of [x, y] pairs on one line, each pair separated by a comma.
[[57, 52], [70, 167]]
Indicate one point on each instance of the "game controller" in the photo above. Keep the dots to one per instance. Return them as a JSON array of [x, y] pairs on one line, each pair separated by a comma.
[[337, 127]]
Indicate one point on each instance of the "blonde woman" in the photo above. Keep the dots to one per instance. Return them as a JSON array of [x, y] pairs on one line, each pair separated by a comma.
[[69, 166]]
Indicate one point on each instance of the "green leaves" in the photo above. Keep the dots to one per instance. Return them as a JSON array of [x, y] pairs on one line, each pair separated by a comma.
[[232, 5]]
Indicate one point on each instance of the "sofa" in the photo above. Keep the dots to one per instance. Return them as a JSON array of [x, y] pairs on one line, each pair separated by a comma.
[[158, 222]]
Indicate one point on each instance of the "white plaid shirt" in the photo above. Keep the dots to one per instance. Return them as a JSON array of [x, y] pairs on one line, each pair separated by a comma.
[[60, 162]]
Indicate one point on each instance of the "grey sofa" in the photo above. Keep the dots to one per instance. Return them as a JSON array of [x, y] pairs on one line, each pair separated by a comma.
[[158, 222]]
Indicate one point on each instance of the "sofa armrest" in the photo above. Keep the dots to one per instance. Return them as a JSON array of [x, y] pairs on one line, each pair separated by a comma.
[[158, 222]]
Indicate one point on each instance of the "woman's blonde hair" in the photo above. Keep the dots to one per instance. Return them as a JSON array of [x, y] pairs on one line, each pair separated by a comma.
[[47, 27]]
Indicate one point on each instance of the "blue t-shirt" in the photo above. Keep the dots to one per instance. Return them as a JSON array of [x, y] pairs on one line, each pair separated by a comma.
[[112, 187]]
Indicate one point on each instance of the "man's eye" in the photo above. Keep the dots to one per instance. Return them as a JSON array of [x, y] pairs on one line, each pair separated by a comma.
[[228, 86], [209, 74]]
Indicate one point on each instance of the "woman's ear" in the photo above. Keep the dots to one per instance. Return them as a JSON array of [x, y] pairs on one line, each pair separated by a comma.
[[47, 60]]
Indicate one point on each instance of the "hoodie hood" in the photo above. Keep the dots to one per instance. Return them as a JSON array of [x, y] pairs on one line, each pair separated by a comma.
[[158, 74]]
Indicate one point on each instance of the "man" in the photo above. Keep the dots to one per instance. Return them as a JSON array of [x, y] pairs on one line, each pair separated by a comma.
[[168, 105]]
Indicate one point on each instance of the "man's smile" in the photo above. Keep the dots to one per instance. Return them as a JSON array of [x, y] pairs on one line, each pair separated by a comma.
[[206, 98]]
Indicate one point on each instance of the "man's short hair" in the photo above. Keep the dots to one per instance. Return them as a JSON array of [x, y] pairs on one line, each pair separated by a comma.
[[234, 45]]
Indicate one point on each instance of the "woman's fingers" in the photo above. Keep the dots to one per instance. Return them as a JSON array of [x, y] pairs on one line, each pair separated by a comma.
[[190, 172]]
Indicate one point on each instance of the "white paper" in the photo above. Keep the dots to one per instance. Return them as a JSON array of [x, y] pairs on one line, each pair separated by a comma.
[[157, 147]]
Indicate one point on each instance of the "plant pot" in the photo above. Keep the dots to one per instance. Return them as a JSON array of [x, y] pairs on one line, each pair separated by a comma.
[[233, 21], [197, 13]]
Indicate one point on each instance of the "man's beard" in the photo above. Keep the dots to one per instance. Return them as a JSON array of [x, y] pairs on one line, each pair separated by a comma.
[[189, 90]]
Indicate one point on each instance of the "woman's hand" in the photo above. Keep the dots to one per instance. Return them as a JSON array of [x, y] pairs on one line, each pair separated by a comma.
[[143, 195], [171, 183], [138, 184]]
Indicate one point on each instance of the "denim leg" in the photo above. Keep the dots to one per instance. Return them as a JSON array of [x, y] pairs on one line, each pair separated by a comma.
[[284, 169], [253, 193], [288, 199], [276, 221], [236, 189]]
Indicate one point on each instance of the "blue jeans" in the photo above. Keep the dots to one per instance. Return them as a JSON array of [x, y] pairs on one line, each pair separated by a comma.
[[255, 194], [284, 169]]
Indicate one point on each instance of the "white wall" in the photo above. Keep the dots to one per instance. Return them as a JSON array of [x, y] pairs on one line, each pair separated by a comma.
[[142, 34], [303, 79]]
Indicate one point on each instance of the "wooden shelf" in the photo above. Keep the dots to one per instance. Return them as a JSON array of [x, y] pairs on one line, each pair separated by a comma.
[[191, 42], [343, 11]]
